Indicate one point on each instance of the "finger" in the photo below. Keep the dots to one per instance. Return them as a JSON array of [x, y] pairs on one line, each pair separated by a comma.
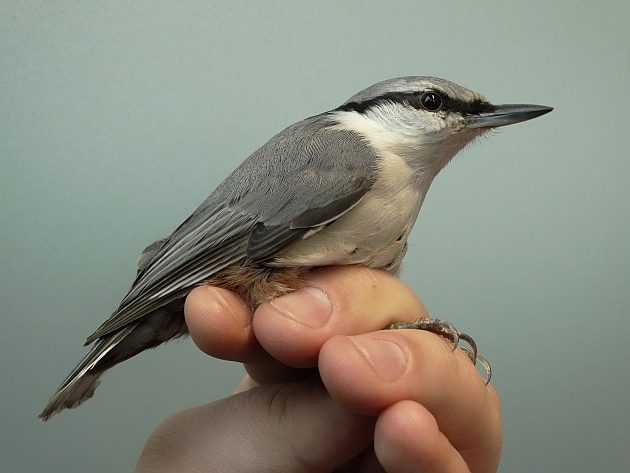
[[407, 440], [220, 323], [372, 371], [338, 300], [270, 428]]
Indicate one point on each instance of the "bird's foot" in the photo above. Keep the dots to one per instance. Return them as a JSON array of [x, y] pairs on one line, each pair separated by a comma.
[[448, 331]]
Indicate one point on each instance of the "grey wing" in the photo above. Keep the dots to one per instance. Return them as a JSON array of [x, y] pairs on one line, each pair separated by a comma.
[[314, 178], [302, 180]]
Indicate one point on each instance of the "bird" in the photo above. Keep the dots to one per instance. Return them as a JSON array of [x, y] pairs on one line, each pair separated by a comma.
[[343, 187]]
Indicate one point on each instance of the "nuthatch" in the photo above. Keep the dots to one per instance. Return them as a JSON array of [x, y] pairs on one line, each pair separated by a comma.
[[342, 187]]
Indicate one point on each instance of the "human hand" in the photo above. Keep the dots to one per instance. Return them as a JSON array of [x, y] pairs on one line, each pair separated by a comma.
[[392, 401]]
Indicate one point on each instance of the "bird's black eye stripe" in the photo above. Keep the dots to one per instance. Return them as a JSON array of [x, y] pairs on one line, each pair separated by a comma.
[[467, 108], [420, 100]]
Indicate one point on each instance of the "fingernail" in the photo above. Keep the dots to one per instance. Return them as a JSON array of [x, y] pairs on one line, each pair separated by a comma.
[[309, 306], [219, 304], [387, 358]]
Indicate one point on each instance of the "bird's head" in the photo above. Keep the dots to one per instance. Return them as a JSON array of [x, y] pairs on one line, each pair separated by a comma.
[[425, 120]]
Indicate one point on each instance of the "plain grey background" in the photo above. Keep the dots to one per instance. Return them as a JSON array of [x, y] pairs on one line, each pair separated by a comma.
[[118, 118]]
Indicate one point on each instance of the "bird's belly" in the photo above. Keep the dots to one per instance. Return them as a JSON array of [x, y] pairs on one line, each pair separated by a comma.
[[374, 233]]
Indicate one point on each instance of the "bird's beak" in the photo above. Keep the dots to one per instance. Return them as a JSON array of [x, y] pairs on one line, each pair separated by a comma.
[[502, 115]]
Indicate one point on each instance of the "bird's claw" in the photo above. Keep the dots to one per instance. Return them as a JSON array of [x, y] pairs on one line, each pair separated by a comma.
[[481, 361], [447, 330]]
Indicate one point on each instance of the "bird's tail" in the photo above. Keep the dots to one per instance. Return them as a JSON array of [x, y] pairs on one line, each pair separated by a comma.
[[157, 327], [80, 384]]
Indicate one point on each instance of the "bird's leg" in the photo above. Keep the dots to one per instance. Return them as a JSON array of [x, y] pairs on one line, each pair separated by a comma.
[[448, 331]]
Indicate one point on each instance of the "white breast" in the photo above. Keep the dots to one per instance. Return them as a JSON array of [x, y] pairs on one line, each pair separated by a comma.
[[375, 231]]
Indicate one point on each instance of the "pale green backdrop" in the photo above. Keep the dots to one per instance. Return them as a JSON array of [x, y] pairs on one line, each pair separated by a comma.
[[118, 118]]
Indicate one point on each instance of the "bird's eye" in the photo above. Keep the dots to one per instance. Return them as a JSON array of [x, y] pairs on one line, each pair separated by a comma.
[[431, 101]]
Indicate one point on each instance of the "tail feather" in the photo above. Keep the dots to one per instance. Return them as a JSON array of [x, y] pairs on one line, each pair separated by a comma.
[[74, 394], [158, 327], [81, 383]]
